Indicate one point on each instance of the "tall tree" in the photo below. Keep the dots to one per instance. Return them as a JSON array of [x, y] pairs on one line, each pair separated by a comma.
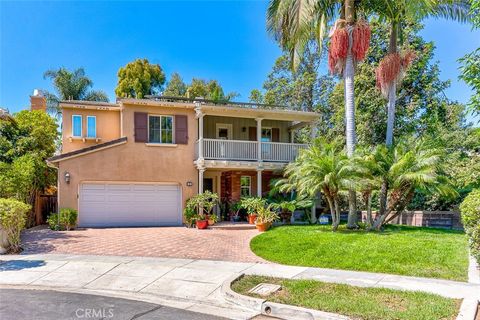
[[70, 85], [293, 23], [211, 90], [392, 68], [470, 64], [139, 78], [175, 86]]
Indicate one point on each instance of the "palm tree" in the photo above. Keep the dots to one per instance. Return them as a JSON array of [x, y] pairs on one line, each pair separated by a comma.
[[324, 167], [397, 13], [411, 165], [369, 166], [293, 23], [70, 86]]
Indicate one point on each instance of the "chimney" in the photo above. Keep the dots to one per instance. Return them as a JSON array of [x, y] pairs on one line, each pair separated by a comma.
[[38, 101]]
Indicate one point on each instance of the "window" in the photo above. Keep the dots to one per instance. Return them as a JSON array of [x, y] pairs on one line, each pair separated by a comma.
[[91, 126], [266, 134], [160, 129], [245, 186], [76, 126]]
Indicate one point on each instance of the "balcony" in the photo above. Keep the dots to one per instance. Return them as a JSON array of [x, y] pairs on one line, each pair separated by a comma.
[[239, 150]]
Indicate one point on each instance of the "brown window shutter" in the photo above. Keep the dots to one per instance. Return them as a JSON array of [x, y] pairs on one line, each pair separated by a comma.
[[141, 126], [252, 133], [181, 129], [275, 135]]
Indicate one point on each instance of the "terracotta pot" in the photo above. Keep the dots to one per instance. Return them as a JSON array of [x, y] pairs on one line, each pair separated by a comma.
[[211, 222], [201, 224], [263, 226], [252, 218]]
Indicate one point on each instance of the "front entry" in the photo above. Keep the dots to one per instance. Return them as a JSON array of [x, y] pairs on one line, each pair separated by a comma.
[[208, 184]]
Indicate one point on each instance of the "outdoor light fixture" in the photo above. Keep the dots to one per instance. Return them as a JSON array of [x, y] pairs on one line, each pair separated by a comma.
[[189, 183], [67, 177]]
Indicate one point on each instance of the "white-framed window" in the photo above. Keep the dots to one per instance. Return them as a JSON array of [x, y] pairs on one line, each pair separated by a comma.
[[266, 135], [76, 125], [160, 129], [245, 186], [91, 126]]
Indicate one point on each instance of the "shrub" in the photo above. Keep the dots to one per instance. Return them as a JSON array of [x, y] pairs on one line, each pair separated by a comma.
[[252, 204], [13, 216], [67, 219], [470, 209], [202, 203]]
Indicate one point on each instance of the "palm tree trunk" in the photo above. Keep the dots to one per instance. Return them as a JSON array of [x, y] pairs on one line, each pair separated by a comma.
[[368, 202], [337, 213], [348, 77], [332, 211], [392, 97], [392, 92]]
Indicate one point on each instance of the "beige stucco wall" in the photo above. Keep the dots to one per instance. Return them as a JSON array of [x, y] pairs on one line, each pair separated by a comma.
[[108, 127], [134, 162]]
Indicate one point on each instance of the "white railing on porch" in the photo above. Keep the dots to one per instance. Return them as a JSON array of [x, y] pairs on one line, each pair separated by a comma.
[[283, 152], [229, 149], [248, 150]]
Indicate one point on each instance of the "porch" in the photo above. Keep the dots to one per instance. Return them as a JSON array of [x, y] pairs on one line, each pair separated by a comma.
[[248, 139]]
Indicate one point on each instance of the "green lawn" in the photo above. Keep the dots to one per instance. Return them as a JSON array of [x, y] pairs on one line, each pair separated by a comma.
[[413, 251], [356, 302]]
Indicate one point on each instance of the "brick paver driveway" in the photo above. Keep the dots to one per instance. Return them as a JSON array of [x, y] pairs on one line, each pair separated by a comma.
[[173, 242]]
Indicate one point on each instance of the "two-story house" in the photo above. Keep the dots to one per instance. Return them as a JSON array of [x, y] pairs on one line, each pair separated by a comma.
[[136, 162]]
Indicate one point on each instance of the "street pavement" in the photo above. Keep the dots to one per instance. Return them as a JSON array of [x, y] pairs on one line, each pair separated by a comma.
[[47, 305], [188, 284]]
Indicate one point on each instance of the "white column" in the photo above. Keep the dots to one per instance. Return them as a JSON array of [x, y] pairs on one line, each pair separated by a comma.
[[314, 130], [259, 139], [200, 133], [259, 182], [201, 171]]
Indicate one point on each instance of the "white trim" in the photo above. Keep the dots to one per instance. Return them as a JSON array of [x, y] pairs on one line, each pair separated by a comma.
[[173, 128], [95, 136], [81, 125], [227, 126], [249, 185], [165, 145]]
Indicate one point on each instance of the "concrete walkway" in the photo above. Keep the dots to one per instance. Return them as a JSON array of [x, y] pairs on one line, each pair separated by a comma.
[[187, 283]]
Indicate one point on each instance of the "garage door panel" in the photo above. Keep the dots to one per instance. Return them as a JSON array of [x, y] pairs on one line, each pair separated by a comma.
[[121, 205]]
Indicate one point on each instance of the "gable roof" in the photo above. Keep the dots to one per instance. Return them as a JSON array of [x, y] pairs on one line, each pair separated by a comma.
[[87, 150]]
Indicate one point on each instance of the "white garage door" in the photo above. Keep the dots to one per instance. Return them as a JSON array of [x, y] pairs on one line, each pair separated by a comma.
[[129, 205]]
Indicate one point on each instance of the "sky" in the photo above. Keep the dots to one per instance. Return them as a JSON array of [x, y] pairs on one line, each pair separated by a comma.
[[223, 40]]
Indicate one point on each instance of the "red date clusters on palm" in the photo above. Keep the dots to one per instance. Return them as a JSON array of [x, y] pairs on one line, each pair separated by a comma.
[[392, 69], [344, 38]]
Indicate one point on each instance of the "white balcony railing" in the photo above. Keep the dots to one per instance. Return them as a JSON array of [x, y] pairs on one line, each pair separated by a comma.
[[282, 152], [214, 149]]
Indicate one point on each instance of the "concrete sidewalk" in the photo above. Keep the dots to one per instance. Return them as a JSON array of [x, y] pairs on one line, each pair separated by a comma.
[[187, 283]]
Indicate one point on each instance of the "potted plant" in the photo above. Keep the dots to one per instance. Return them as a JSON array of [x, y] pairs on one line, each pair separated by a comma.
[[201, 221], [252, 205], [198, 209], [212, 219], [265, 217], [235, 208]]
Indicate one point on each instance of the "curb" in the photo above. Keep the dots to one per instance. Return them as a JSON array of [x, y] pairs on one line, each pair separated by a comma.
[[468, 309], [238, 299], [277, 310]]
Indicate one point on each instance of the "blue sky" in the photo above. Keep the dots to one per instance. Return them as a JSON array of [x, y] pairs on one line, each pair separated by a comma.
[[223, 40]]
